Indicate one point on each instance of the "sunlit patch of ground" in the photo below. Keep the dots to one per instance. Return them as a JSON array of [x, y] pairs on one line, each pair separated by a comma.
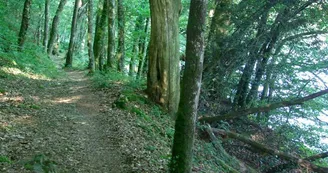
[[71, 99], [18, 72]]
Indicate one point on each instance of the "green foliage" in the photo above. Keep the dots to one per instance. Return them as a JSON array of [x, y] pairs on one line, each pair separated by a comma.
[[41, 164], [106, 80], [4, 159], [80, 61], [31, 61]]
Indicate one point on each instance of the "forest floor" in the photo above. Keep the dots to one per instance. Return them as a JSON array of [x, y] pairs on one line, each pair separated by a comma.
[[60, 125]]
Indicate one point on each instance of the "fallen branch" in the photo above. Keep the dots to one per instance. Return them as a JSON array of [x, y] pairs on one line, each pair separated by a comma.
[[265, 108], [302, 162], [217, 145], [316, 157], [288, 165]]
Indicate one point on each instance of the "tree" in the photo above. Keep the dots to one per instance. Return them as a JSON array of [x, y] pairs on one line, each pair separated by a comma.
[[54, 26], [100, 33], [111, 34], [24, 24], [90, 37], [181, 161], [46, 25], [121, 42], [69, 55], [163, 76], [265, 108], [135, 50], [143, 49]]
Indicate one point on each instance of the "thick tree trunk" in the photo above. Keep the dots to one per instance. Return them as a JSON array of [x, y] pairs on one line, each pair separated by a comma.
[[90, 38], [111, 34], [185, 125], [54, 27], [163, 76], [100, 34], [143, 50], [24, 24], [46, 25], [265, 108], [121, 29], [69, 55]]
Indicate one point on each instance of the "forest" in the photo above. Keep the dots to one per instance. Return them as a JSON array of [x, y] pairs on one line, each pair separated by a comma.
[[179, 86]]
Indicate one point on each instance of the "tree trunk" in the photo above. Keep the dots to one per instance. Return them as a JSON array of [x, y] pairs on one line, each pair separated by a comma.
[[82, 26], [265, 53], [24, 24], [135, 51], [242, 90], [90, 38], [121, 29], [185, 125], [163, 78], [143, 50], [38, 32], [54, 27], [100, 34], [111, 34], [69, 55], [217, 59], [46, 25]]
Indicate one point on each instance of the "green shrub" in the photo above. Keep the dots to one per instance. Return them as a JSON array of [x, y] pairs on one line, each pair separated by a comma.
[[4, 159]]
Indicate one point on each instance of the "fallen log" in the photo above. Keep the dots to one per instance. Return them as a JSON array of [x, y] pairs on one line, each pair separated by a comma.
[[316, 157], [301, 162], [288, 165]]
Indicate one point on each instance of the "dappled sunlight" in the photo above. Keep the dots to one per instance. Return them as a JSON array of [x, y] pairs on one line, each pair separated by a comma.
[[16, 99], [26, 119], [257, 137], [71, 99], [18, 72]]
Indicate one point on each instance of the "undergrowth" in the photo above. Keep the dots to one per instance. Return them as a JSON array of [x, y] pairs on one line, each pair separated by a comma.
[[157, 129], [30, 61]]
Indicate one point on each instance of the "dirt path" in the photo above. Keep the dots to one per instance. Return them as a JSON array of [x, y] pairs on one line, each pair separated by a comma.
[[67, 126]]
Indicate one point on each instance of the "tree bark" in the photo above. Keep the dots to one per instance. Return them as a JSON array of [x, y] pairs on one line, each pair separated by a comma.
[[111, 34], [54, 27], [121, 41], [46, 25], [265, 108], [24, 24], [185, 125], [91, 66], [69, 55], [163, 76], [100, 34]]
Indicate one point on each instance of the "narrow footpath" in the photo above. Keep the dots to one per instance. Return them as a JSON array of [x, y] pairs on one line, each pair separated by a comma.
[[61, 120]]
